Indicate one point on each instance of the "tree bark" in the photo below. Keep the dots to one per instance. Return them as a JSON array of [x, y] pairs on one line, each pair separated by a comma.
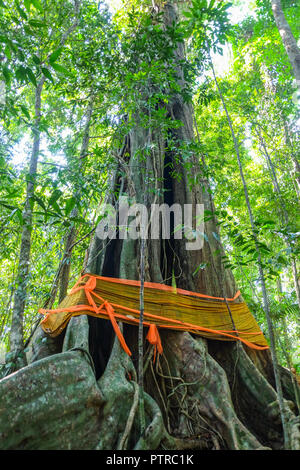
[[285, 216], [16, 336], [288, 38], [71, 236]]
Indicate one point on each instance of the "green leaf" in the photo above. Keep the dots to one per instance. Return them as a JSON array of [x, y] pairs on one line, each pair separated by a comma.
[[36, 59], [70, 203], [7, 52], [27, 5], [37, 5], [40, 202], [21, 73], [31, 76], [264, 247], [47, 74], [37, 24], [268, 222], [59, 68], [25, 111], [28, 30], [6, 74], [7, 206], [57, 208], [54, 56], [188, 14], [20, 216], [21, 12], [54, 196], [21, 56]]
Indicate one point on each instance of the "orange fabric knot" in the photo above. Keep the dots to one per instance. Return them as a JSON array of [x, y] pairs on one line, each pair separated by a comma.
[[154, 338], [89, 288]]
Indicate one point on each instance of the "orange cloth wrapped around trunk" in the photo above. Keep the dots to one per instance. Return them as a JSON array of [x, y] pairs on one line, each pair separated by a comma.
[[164, 307]]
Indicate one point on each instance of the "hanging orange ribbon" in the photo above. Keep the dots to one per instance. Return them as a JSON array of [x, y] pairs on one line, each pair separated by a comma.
[[154, 339], [89, 288]]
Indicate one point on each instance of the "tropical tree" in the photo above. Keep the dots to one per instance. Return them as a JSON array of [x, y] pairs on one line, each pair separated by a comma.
[[200, 393]]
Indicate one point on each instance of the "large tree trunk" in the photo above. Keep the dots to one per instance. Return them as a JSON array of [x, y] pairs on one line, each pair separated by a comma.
[[200, 394]]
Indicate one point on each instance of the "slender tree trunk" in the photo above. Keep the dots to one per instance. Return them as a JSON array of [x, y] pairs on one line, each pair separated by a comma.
[[261, 274], [287, 139], [284, 212], [288, 38], [71, 236], [286, 347], [16, 336], [294, 157]]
